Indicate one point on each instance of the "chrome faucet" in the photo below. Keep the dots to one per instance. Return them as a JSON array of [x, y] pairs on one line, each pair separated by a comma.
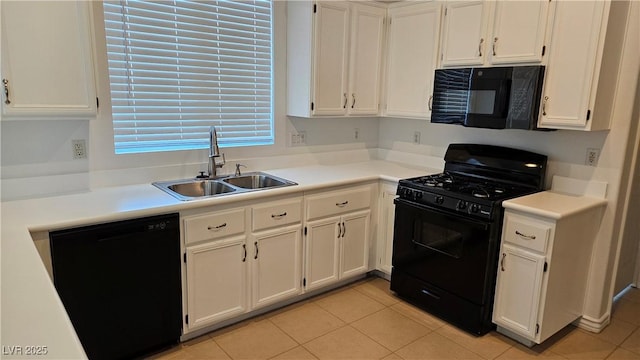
[[214, 152]]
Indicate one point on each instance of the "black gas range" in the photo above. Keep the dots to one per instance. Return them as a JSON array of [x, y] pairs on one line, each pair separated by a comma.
[[448, 228]]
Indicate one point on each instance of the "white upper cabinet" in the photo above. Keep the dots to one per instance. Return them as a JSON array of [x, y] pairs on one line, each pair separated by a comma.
[[47, 66], [518, 31], [330, 58], [367, 34], [464, 39], [582, 74], [412, 55], [477, 33], [334, 55]]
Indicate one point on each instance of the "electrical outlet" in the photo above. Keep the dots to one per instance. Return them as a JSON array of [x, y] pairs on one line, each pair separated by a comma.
[[592, 157], [356, 133], [79, 148], [416, 137], [299, 138]]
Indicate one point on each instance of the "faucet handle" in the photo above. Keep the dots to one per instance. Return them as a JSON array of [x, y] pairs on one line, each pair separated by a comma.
[[238, 165]]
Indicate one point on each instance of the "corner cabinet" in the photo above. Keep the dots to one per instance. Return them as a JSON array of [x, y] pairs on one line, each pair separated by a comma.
[[386, 217], [480, 33], [336, 235], [412, 55], [47, 63], [334, 56], [582, 71], [542, 272]]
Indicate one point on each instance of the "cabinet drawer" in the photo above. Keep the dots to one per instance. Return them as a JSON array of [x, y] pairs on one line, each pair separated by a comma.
[[276, 214], [526, 233], [338, 202], [213, 226]]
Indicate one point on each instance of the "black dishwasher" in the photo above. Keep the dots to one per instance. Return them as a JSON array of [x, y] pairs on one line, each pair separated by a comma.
[[120, 284]]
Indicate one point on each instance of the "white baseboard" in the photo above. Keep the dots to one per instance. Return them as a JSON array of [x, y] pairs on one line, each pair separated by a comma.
[[593, 325]]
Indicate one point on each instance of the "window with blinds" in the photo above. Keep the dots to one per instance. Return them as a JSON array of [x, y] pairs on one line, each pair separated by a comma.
[[178, 67]]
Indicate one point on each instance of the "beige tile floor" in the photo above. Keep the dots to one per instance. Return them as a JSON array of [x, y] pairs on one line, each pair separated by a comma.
[[366, 321]]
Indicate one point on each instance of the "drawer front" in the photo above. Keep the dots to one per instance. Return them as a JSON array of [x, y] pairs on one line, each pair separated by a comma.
[[276, 214], [338, 202], [213, 226], [527, 233]]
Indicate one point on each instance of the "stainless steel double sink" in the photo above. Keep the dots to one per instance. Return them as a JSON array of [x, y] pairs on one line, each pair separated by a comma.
[[191, 189]]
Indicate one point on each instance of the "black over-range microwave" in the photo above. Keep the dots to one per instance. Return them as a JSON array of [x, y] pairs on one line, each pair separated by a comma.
[[493, 97]]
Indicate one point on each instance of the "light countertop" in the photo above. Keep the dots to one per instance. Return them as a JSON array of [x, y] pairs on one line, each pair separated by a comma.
[[553, 204], [32, 313]]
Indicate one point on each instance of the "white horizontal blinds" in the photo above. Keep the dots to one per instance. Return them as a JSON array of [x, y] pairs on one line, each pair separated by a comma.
[[178, 67]]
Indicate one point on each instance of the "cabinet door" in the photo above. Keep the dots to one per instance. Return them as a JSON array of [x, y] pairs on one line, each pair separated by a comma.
[[463, 40], [322, 252], [367, 25], [276, 264], [330, 58], [412, 57], [354, 258], [518, 31], [47, 59], [518, 290], [216, 281], [571, 70], [385, 225]]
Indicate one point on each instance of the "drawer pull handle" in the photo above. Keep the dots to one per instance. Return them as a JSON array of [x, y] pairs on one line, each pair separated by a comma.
[[342, 204], [278, 216], [429, 293], [5, 82], [502, 261], [216, 228], [530, 237]]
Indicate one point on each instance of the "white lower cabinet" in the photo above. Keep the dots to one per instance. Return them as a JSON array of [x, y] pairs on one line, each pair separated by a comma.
[[322, 252], [337, 235], [517, 301], [542, 272], [245, 258], [276, 265], [386, 218], [216, 281]]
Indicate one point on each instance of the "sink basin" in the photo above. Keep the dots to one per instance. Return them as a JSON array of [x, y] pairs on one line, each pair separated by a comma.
[[191, 189], [257, 181]]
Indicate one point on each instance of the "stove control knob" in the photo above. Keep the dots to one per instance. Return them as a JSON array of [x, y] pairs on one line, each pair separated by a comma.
[[461, 205], [474, 208], [439, 199], [418, 195]]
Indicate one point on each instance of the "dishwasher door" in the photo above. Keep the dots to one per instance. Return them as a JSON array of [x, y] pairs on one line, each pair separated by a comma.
[[120, 284]]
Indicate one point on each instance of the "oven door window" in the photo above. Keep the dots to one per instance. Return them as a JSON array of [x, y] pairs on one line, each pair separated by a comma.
[[439, 238]]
